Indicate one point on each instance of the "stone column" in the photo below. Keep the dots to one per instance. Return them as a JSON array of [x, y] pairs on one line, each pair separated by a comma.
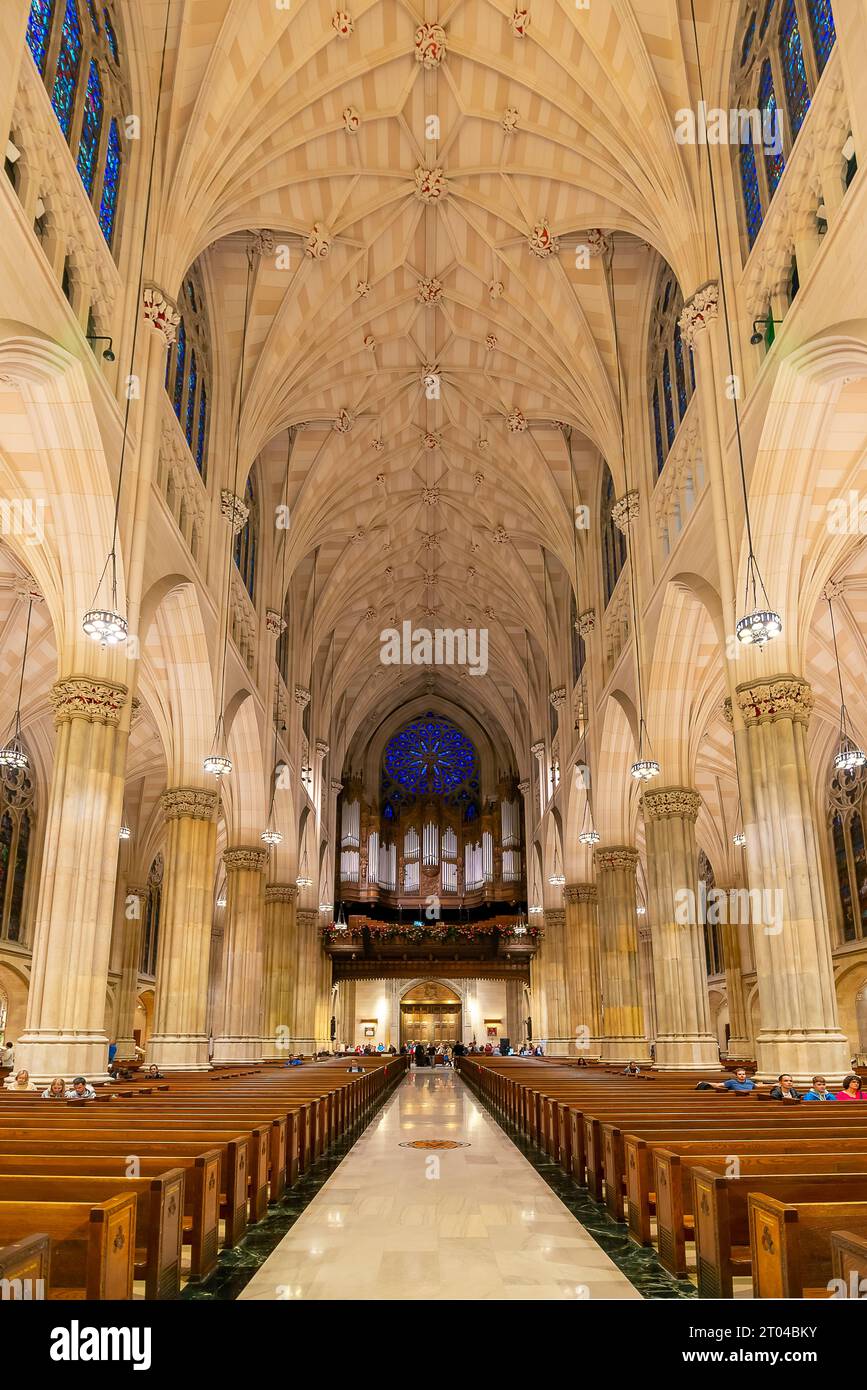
[[307, 1011], [135, 902], [179, 1041], [684, 1039], [725, 910], [515, 1011], [280, 899], [582, 969], [623, 1036], [65, 1027], [241, 1011], [799, 1028], [548, 976]]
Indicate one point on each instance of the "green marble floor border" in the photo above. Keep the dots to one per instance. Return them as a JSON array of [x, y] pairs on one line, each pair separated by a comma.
[[236, 1267], [639, 1263]]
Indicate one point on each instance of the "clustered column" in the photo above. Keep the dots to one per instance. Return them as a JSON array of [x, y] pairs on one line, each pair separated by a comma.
[[65, 1024], [684, 1040], [180, 1037], [135, 901], [309, 1027], [623, 1035], [800, 1031], [726, 913], [240, 1034], [548, 976], [582, 968], [280, 900]]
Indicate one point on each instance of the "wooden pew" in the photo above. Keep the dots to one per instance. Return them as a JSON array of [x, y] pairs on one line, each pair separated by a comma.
[[722, 1230], [201, 1189], [158, 1222], [790, 1244], [849, 1262], [24, 1269], [92, 1244], [675, 1216]]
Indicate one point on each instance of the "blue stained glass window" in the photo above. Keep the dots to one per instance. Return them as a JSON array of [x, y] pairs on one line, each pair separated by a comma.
[[691, 371], [774, 161], [191, 291], [748, 39], [110, 183], [766, 17], [679, 375], [110, 35], [667, 399], [39, 30], [90, 128], [794, 73], [181, 356], [657, 429], [823, 31], [93, 16], [191, 400], [203, 426], [245, 542], [430, 755], [68, 60], [750, 190]]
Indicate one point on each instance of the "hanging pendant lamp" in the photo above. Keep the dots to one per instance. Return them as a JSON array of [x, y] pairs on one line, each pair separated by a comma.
[[13, 755], [849, 755]]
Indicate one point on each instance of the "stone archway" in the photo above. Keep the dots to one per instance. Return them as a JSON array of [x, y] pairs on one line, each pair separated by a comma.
[[431, 1011]]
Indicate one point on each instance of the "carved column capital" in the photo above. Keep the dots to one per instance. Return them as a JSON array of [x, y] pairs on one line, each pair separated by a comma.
[[323, 748], [79, 697], [581, 893], [274, 622], [336, 786], [307, 918], [616, 857], [301, 696], [538, 748], [586, 622], [625, 510], [558, 697], [666, 802], [137, 890], [555, 917], [281, 892], [699, 311], [524, 786], [234, 509], [245, 857], [193, 802], [780, 697], [160, 313]]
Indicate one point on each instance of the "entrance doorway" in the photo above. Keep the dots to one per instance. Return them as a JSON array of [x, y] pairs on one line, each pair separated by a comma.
[[430, 1013]]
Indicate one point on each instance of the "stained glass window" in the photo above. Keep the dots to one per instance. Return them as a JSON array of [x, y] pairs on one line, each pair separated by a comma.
[[246, 540], [19, 878], [766, 17], [430, 756], [750, 189], [93, 16], [679, 377], [691, 370], [110, 35], [180, 359], [822, 29], [203, 425], [110, 183], [771, 129], [91, 126], [68, 60], [667, 400], [794, 73], [849, 933], [748, 39], [657, 429], [613, 539], [5, 850], [39, 30], [191, 400]]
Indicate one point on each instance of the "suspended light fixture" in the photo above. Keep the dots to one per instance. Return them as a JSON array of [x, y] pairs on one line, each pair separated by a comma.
[[104, 623], [739, 839], [124, 833], [641, 910], [272, 836], [849, 755], [760, 623], [304, 880], [588, 834], [218, 763], [13, 756], [340, 924], [644, 768], [221, 900], [326, 907]]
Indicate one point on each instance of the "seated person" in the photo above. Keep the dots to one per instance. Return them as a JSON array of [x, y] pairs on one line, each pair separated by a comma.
[[81, 1090], [56, 1091], [21, 1082], [153, 1073], [819, 1090], [784, 1090], [851, 1089], [631, 1069], [739, 1082]]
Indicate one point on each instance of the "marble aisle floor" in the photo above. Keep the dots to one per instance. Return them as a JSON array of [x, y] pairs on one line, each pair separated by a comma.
[[400, 1223]]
